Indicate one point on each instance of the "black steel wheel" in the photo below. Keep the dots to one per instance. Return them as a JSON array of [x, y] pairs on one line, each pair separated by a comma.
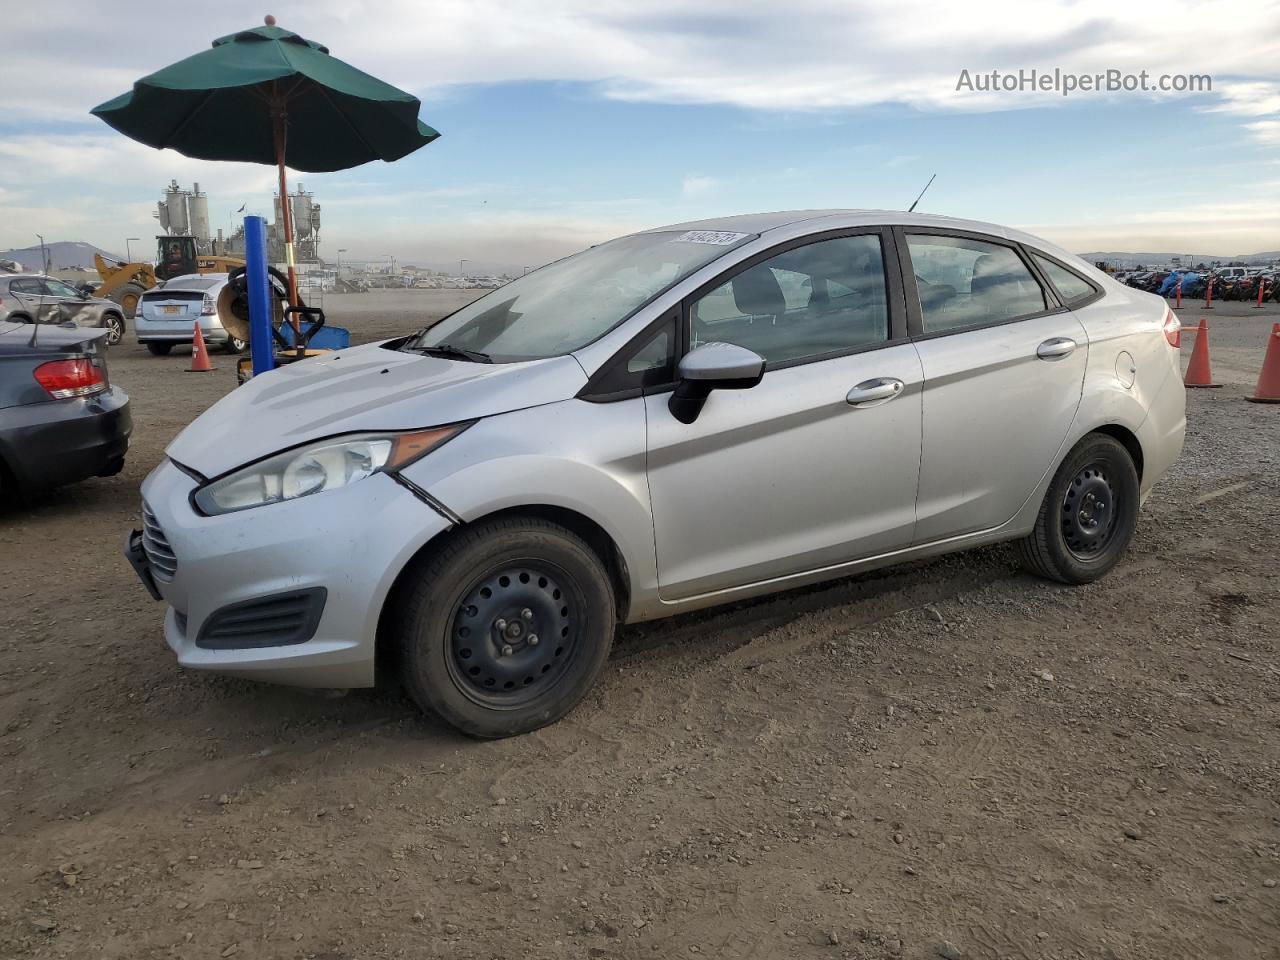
[[515, 634], [505, 626], [1088, 515]]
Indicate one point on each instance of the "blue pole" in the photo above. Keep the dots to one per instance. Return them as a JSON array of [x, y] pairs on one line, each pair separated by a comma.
[[255, 272]]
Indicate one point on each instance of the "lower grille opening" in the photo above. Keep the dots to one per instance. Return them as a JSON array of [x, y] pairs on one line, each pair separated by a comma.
[[279, 620]]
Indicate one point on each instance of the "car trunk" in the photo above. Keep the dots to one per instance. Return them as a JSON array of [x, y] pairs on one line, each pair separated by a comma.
[[172, 304], [25, 346]]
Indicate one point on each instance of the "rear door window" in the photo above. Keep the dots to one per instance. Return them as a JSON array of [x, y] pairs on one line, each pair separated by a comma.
[[27, 285], [964, 282]]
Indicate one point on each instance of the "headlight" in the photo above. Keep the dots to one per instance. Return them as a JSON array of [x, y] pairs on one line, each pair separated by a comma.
[[317, 467]]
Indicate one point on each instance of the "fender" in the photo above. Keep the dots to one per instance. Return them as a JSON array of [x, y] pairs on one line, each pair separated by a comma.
[[578, 456]]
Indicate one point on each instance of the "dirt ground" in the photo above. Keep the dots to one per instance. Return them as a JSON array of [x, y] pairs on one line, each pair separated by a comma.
[[949, 759]]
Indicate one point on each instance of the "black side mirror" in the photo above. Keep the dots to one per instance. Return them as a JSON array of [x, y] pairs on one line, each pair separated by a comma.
[[712, 366]]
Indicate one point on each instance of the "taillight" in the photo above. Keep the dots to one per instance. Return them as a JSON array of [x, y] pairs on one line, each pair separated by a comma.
[[209, 308], [70, 378], [1172, 328]]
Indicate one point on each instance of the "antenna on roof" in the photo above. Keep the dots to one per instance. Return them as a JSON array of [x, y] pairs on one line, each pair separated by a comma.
[[912, 208]]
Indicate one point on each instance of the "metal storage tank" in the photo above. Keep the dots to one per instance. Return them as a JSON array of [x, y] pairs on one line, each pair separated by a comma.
[[198, 209], [175, 201], [301, 207]]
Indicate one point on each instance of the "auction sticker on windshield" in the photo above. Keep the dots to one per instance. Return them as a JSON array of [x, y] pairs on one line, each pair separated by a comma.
[[722, 237]]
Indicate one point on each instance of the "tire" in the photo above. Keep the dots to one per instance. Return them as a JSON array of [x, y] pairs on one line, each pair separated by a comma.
[[1077, 539], [234, 346], [115, 328], [159, 349], [499, 681], [128, 297]]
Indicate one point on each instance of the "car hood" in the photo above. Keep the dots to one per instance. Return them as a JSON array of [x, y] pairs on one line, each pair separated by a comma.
[[363, 388]]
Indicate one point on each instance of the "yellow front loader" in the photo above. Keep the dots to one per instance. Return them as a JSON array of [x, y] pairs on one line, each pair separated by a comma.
[[125, 283]]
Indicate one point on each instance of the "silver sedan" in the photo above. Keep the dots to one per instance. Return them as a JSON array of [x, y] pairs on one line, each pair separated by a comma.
[[34, 298], [675, 419]]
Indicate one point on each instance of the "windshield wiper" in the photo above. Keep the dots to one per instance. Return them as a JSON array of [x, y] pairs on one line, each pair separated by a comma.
[[449, 350]]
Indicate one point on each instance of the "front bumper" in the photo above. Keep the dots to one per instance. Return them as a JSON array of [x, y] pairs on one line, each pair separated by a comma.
[[351, 543], [62, 441]]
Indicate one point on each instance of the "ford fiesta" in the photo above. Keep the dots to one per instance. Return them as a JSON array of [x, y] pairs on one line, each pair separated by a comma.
[[679, 418]]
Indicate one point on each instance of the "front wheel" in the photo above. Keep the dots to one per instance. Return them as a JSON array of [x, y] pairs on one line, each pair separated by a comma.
[[1088, 516], [234, 346], [506, 627]]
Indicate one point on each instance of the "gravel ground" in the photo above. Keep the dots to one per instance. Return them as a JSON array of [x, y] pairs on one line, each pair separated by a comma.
[[948, 759]]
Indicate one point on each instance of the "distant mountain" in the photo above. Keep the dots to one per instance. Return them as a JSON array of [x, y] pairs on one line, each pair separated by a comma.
[[1127, 259], [62, 255]]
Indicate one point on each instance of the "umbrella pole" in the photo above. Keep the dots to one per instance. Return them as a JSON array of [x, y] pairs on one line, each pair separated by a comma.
[[279, 116]]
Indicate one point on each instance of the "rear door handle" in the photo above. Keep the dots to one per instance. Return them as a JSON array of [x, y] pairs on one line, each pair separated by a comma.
[[1056, 348], [870, 393]]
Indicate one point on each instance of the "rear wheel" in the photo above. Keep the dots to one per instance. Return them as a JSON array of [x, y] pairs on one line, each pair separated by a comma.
[[506, 627], [159, 349], [234, 346], [115, 328], [1088, 516]]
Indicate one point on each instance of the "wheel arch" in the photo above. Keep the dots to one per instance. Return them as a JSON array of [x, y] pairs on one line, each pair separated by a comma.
[[1127, 439], [602, 544]]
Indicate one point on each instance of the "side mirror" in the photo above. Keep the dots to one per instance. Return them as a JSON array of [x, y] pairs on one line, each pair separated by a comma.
[[712, 366]]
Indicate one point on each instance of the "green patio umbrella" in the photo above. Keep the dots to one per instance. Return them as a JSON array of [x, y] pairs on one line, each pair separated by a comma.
[[267, 95]]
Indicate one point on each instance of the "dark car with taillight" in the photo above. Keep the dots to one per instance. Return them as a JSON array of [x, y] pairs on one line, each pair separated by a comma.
[[61, 420]]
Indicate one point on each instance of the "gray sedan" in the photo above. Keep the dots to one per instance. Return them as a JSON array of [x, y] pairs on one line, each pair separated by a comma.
[[676, 419], [34, 298]]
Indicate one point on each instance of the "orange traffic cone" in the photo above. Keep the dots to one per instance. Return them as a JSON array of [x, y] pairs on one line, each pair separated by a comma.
[[1198, 374], [1269, 379], [200, 356]]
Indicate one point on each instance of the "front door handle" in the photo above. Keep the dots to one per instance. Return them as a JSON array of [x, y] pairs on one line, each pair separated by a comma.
[[1056, 348], [870, 393]]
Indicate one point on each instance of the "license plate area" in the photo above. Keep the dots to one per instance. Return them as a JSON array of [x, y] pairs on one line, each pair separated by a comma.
[[172, 310]]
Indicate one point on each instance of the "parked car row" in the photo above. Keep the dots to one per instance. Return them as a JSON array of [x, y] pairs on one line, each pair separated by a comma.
[[1229, 283]]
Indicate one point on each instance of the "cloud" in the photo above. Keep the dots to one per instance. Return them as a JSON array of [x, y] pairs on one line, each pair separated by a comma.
[[805, 55], [812, 58], [1247, 99], [1267, 131]]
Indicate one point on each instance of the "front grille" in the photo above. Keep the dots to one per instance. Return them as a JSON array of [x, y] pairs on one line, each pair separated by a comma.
[[156, 546], [275, 621]]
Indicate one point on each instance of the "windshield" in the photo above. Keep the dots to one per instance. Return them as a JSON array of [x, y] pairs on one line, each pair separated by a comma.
[[569, 303]]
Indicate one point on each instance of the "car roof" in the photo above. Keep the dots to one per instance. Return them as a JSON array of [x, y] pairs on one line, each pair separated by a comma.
[[763, 223]]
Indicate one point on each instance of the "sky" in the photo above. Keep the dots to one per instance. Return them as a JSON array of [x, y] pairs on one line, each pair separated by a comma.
[[567, 122]]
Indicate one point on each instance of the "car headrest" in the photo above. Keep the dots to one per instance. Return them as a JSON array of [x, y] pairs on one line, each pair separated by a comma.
[[756, 293]]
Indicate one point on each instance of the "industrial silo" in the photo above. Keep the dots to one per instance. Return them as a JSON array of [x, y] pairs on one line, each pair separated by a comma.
[[175, 201], [198, 210]]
